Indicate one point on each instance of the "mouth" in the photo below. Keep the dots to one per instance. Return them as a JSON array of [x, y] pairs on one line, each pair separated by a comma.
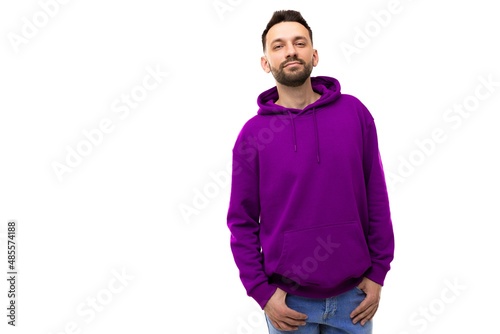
[[292, 63]]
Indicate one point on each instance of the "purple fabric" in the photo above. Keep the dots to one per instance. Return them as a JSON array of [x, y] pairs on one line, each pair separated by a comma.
[[309, 209]]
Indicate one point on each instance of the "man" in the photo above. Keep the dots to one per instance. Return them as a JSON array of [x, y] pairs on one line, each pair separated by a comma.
[[309, 215]]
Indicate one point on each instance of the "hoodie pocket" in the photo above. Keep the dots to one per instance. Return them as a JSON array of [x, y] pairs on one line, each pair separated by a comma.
[[324, 256]]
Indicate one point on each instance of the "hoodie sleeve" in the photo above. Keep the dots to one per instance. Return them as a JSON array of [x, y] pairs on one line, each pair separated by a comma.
[[380, 236], [243, 222]]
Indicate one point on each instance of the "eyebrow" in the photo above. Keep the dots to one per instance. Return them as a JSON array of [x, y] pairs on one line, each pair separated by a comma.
[[281, 40]]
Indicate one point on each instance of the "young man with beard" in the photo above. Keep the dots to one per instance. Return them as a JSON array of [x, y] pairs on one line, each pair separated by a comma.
[[309, 214]]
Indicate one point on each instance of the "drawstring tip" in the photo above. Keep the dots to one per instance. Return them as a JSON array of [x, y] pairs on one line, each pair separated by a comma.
[[317, 158], [295, 147]]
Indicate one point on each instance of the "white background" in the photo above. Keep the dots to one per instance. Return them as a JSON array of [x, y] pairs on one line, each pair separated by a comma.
[[119, 209]]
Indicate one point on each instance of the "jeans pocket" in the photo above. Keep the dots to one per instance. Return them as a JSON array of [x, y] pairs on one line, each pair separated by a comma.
[[358, 290]]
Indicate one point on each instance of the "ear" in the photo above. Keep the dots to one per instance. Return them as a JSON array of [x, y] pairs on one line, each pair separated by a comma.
[[265, 64], [315, 58]]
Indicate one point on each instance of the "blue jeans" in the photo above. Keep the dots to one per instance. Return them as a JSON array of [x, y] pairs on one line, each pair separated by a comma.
[[327, 316]]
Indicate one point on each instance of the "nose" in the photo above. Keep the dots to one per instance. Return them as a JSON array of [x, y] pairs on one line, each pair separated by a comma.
[[291, 51]]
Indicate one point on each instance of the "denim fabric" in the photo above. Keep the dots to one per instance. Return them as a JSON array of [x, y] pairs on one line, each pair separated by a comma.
[[327, 316]]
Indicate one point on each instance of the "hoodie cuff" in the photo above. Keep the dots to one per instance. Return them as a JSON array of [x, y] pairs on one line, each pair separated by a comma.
[[377, 273], [262, 293]]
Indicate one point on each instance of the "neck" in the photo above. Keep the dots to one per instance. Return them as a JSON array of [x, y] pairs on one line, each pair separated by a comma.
[[296, 97]]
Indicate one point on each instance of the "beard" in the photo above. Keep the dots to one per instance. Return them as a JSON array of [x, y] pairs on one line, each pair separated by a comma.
[[296, 77]]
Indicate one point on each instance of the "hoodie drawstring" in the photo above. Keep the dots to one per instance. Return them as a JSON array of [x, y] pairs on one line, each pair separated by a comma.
[[294, 133], [316, 134]]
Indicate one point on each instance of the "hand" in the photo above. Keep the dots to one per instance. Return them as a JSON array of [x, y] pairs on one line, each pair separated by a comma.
[[281, 316], [366, 310]]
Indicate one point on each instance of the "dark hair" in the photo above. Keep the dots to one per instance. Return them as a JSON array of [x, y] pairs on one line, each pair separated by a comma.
[[285, 16]]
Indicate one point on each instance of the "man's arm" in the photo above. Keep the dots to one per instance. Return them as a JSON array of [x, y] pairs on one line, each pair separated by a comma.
[[380, 238], [243, 222]]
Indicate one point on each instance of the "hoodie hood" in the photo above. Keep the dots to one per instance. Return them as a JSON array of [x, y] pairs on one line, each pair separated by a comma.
[[327, 87]]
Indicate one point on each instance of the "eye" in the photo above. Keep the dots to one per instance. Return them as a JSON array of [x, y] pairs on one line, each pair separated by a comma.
[[276, 47], [301, 44]]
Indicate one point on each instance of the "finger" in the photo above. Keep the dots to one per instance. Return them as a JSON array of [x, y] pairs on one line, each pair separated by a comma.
[[295, 315], [286, 322], [361, 308], [293, 322], [369, 316], [366, 315], [283, 326], [367, 302]]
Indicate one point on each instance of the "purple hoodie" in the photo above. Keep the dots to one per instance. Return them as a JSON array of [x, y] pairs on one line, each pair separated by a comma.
[[309, 211]]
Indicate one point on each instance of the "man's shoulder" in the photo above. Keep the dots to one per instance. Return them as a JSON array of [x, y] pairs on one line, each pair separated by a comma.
[[351, 106], [251, 124], [258, 120], [353, 101], [348, 98]]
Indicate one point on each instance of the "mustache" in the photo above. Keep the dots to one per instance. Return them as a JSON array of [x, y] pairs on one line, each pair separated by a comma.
[[290, 60]]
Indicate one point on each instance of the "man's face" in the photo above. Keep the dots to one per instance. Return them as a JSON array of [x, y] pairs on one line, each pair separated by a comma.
[[289, 54]]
